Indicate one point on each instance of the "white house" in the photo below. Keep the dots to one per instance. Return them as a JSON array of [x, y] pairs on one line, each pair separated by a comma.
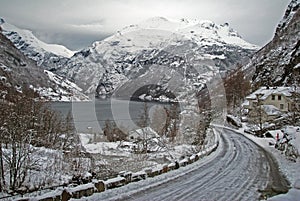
[[278, 97]]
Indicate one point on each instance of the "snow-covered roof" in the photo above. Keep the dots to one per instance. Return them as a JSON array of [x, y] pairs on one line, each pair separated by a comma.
[[291, 130], [271, 110], [246, 103], [266, 92], [274, 133]]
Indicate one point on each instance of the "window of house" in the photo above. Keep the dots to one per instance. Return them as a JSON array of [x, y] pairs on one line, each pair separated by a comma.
[[273, 97], [279, 97], [281, 106]]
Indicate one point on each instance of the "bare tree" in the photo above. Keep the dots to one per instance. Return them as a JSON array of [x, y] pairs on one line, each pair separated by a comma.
[[25, 123], [158, 120], [172, 121], [17, 136], [69, 138], [295, 107], [113, 132], [202, 127], [143, 123], [237, 86], [257, 115]]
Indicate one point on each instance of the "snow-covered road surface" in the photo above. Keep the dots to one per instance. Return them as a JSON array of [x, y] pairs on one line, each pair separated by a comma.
[[237, 170]]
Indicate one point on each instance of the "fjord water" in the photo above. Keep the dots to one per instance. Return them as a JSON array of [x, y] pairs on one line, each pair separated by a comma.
[[91, 116]]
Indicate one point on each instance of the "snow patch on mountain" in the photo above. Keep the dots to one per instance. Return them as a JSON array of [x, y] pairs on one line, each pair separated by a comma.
[[183, 46], [48, 56], [19, 72], [63, 90], [200, 31], [130, 53], [274, 64], [14, 33]]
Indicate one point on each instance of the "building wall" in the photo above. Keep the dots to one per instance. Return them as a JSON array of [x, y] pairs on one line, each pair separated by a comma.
[[285, 102], [282, 105]]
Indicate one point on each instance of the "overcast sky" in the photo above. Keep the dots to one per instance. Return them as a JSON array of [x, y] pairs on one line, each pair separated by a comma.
[[77, 23]]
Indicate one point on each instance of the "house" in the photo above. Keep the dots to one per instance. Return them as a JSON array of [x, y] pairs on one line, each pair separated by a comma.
[[146, 140], [279, 97], [273, 102]]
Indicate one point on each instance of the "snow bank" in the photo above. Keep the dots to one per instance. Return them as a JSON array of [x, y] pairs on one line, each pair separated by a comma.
[[289, 168], [294, 135]]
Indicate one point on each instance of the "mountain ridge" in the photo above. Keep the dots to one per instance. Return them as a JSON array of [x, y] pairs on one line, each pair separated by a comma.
[[49, 56], [118, 58], [184, 45], [20, 72]]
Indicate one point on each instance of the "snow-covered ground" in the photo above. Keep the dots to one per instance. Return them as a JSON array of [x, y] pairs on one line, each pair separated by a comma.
[[238, 169], [292, 195], [229, 173], [47, 168], [289, 168], [124, 150]]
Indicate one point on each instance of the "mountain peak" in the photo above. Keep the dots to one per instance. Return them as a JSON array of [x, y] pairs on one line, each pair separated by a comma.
[[20, 37], [158, 19], [159, 31]]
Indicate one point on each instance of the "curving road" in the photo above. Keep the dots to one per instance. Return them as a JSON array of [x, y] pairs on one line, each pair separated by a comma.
[[237, 170]]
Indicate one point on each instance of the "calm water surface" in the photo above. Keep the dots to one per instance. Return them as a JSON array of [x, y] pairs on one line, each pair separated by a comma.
[[91, 116]]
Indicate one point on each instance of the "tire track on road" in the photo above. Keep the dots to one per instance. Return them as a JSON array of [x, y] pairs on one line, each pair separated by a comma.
[[237, 170]]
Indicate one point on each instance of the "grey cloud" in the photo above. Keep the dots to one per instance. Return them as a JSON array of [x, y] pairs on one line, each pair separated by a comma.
[[74, 41], [85, 20]]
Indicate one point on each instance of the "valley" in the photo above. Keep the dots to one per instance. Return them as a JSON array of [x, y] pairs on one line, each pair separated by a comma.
[[161, 109]]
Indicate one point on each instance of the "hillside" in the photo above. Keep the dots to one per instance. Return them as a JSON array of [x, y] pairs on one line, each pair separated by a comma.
[[16, 70], [49, 56], [277, 63]]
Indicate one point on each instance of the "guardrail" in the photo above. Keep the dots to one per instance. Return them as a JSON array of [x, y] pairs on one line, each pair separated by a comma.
[[98, 186]]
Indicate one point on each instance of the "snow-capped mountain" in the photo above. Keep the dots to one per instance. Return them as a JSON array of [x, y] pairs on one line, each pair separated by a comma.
[[49, 56], [158, 48], [277, 63], [203, 32], [17, 70]]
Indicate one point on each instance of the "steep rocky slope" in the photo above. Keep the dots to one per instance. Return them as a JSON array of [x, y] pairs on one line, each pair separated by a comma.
[[156, 53], [150, 59], [16, 70], [49, 56], [277, 63]]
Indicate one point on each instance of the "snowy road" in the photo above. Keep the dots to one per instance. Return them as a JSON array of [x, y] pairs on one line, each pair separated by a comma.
[[235, 171]]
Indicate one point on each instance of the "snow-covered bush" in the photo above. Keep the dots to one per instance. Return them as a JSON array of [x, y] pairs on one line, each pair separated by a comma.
[[288, 144]]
